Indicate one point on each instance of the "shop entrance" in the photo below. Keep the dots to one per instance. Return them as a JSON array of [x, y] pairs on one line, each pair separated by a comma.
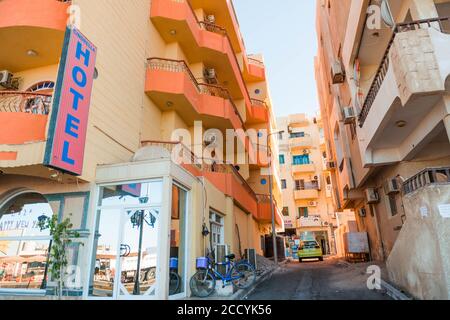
[[130, 247]]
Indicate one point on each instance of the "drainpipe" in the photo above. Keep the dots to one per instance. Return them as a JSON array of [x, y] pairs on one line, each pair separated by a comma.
[[375, 214]]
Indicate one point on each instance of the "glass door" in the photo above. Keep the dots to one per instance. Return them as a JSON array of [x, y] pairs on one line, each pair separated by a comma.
[[139, 252]]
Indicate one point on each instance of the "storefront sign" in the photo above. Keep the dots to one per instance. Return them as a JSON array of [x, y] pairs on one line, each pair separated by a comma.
[[70, 110], [311, 221], [133, 189]]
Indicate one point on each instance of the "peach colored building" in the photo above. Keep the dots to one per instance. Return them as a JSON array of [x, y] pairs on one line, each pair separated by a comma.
[[384, 98], [308, 209], [162, 67]]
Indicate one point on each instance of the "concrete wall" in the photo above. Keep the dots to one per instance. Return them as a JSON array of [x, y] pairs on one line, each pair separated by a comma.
[[420, 259]]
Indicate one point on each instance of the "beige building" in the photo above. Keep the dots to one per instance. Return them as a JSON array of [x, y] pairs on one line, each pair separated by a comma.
[[308, 209], [382, 73], [170, 78]]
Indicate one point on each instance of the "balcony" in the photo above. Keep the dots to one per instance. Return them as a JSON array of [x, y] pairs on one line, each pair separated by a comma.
[[254, 69], [404, 103], [298, 120], [201, 41], [303, 168], [36, 25], [223, 176], [172, 86], [225, 16], [307, 191], [301, 143], [23, 117], [260, 112], [265, 210], [427, 177]]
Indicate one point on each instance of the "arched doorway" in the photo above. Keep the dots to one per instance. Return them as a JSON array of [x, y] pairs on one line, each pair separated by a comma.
[[24, 246]]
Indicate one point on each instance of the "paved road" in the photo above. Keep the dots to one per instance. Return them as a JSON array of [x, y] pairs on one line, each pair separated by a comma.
[[328, 280]]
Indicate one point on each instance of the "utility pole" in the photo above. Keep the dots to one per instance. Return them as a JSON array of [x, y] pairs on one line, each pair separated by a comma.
[[274, 232]]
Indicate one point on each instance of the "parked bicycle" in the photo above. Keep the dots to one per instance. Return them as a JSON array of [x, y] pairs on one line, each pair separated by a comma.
[[174, 277], [240, 274]]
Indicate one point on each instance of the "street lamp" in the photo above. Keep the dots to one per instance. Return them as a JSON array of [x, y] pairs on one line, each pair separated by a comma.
[[274, 234]]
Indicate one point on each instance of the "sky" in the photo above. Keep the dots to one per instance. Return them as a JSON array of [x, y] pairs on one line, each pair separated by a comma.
[[284, 32]]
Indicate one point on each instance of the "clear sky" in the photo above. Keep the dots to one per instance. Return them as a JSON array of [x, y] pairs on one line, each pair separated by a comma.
[[284, 32]]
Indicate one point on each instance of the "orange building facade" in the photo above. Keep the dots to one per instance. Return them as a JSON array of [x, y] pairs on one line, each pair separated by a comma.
[[382, 79], [171, 76]]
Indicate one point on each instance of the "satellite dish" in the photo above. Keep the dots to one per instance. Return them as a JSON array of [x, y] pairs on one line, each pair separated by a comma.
[[386, 14]]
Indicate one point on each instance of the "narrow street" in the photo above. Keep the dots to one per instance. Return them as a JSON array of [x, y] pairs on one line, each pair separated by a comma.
[[328, 280]]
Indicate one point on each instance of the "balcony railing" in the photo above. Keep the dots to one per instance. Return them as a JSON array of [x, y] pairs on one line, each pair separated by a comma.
[[255, 62], [222, 31], [185, 155], [171, 65], [429, 176], [257, 102], [384, 65], [308, 186], [28, 102]]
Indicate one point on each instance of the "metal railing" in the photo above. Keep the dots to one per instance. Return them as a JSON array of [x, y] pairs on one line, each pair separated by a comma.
[[429, 176], [384, 65], [219, 30], [172, 65], [28, 102], [186, 156], [255, 61], [211, 27], [308, 186], [257, 102]]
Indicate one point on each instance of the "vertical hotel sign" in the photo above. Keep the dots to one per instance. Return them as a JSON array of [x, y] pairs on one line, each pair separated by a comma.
[[68, 124]]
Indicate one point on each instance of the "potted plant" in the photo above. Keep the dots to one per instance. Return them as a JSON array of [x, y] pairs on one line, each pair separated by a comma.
[[62, 235]]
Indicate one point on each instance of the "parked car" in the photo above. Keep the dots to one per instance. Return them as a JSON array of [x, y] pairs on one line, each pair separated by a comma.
[[309, 249]]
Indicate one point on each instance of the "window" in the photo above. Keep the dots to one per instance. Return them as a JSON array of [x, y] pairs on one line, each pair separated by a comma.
[[302, 159], [393, 204], [23, 245], [280, 135], [128, 224], [299, 184], [297, 135], [283, 184], [303, 212], [286, 211], [216, 229], [281, 159]]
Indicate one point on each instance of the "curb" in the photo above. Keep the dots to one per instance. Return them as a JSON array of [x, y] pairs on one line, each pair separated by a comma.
[[243, 293], [393, 292]]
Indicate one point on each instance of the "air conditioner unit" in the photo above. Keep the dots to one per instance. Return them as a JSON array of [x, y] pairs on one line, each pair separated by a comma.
[[210, 74], [349, 115], [391, 186], [211, 19], [362, 212], [337, 72], [6, 79], [313, 204], [372, 195], [251, 257], [331, 165]]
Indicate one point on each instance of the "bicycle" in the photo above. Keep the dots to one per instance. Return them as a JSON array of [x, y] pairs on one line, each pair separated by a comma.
[[240, 274], [174, 277]]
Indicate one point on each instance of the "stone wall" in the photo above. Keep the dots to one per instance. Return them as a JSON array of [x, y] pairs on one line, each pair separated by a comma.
[[415, 65]]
